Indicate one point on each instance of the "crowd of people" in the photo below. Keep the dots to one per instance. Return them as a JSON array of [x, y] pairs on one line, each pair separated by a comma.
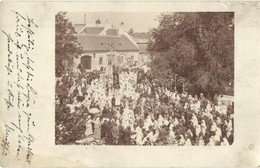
[[138, 113]]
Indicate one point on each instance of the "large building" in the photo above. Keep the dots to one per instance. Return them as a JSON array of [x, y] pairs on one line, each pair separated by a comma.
[[104, 45], [142, 44]]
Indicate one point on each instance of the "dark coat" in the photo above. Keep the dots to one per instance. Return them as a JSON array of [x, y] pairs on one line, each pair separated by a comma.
[[115, 132], [127, 136]]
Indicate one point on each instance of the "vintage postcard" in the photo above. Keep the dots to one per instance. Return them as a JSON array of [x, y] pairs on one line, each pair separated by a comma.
[[129, 84]]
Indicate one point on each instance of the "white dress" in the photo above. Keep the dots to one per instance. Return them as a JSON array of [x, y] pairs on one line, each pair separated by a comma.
[[89, 130]]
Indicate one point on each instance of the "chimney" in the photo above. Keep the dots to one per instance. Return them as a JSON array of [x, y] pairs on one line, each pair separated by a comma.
[[98, 22], [85, 19], [120, 30]]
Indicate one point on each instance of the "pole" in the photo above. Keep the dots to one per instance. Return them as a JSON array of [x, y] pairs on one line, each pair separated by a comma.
[[112, 66], [109, 69], [183, 86], [175, 75]]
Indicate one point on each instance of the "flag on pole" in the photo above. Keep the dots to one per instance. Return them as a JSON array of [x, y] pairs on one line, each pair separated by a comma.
[[116, 78], [140, 76]]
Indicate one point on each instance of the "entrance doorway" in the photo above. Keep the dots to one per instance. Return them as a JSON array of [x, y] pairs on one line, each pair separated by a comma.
[[86, 61]]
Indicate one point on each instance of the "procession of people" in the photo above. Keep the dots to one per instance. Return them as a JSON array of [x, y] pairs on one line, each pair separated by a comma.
[[119, 108]]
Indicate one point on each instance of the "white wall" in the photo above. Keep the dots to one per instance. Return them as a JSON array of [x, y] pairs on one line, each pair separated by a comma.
[[95, 61], [144, 58], [95, 64]]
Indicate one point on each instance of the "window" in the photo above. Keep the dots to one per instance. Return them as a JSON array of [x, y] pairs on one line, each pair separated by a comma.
[[120, 59], [100, 60], [132, 58]]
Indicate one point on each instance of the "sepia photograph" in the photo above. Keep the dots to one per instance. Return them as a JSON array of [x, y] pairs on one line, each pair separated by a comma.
[[129, 84], [143, 78]]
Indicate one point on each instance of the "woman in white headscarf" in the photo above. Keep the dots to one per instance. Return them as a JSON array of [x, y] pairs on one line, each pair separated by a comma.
[[194, 120], [160, 121], [197, 106], [172, 136], [89, 130], [181, 140], [188, 142], [201, 142], [189, 133], [203, 127], [218, 135], [155, 136], [148, 122], [211, 142], [175, 122], [97, 129], [228, 131], [171, 123], [139, 136], [213, 127], [197, 130], [225, 142], [208, 108], [149, 137], [165, 121], [218, 121], [186, 105], [230, 124]]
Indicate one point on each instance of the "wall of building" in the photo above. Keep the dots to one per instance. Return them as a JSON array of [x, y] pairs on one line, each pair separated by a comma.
[[127, 57], [143, 58], [101, 59]]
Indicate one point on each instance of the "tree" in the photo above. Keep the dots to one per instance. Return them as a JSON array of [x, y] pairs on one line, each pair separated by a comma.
[[66, 46], [197, 46]]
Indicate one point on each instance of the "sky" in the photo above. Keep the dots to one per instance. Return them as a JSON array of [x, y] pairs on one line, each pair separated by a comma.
[[139, 21]]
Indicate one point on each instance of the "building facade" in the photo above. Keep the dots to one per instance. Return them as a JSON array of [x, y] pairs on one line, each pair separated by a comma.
[[104, 45], [143, 53]]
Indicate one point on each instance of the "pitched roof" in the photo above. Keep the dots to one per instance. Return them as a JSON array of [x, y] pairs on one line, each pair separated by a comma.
[[112, 32], [106, 43], [139, 40], [142, 47], [144, 35], [78, 27], [92, 30]]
